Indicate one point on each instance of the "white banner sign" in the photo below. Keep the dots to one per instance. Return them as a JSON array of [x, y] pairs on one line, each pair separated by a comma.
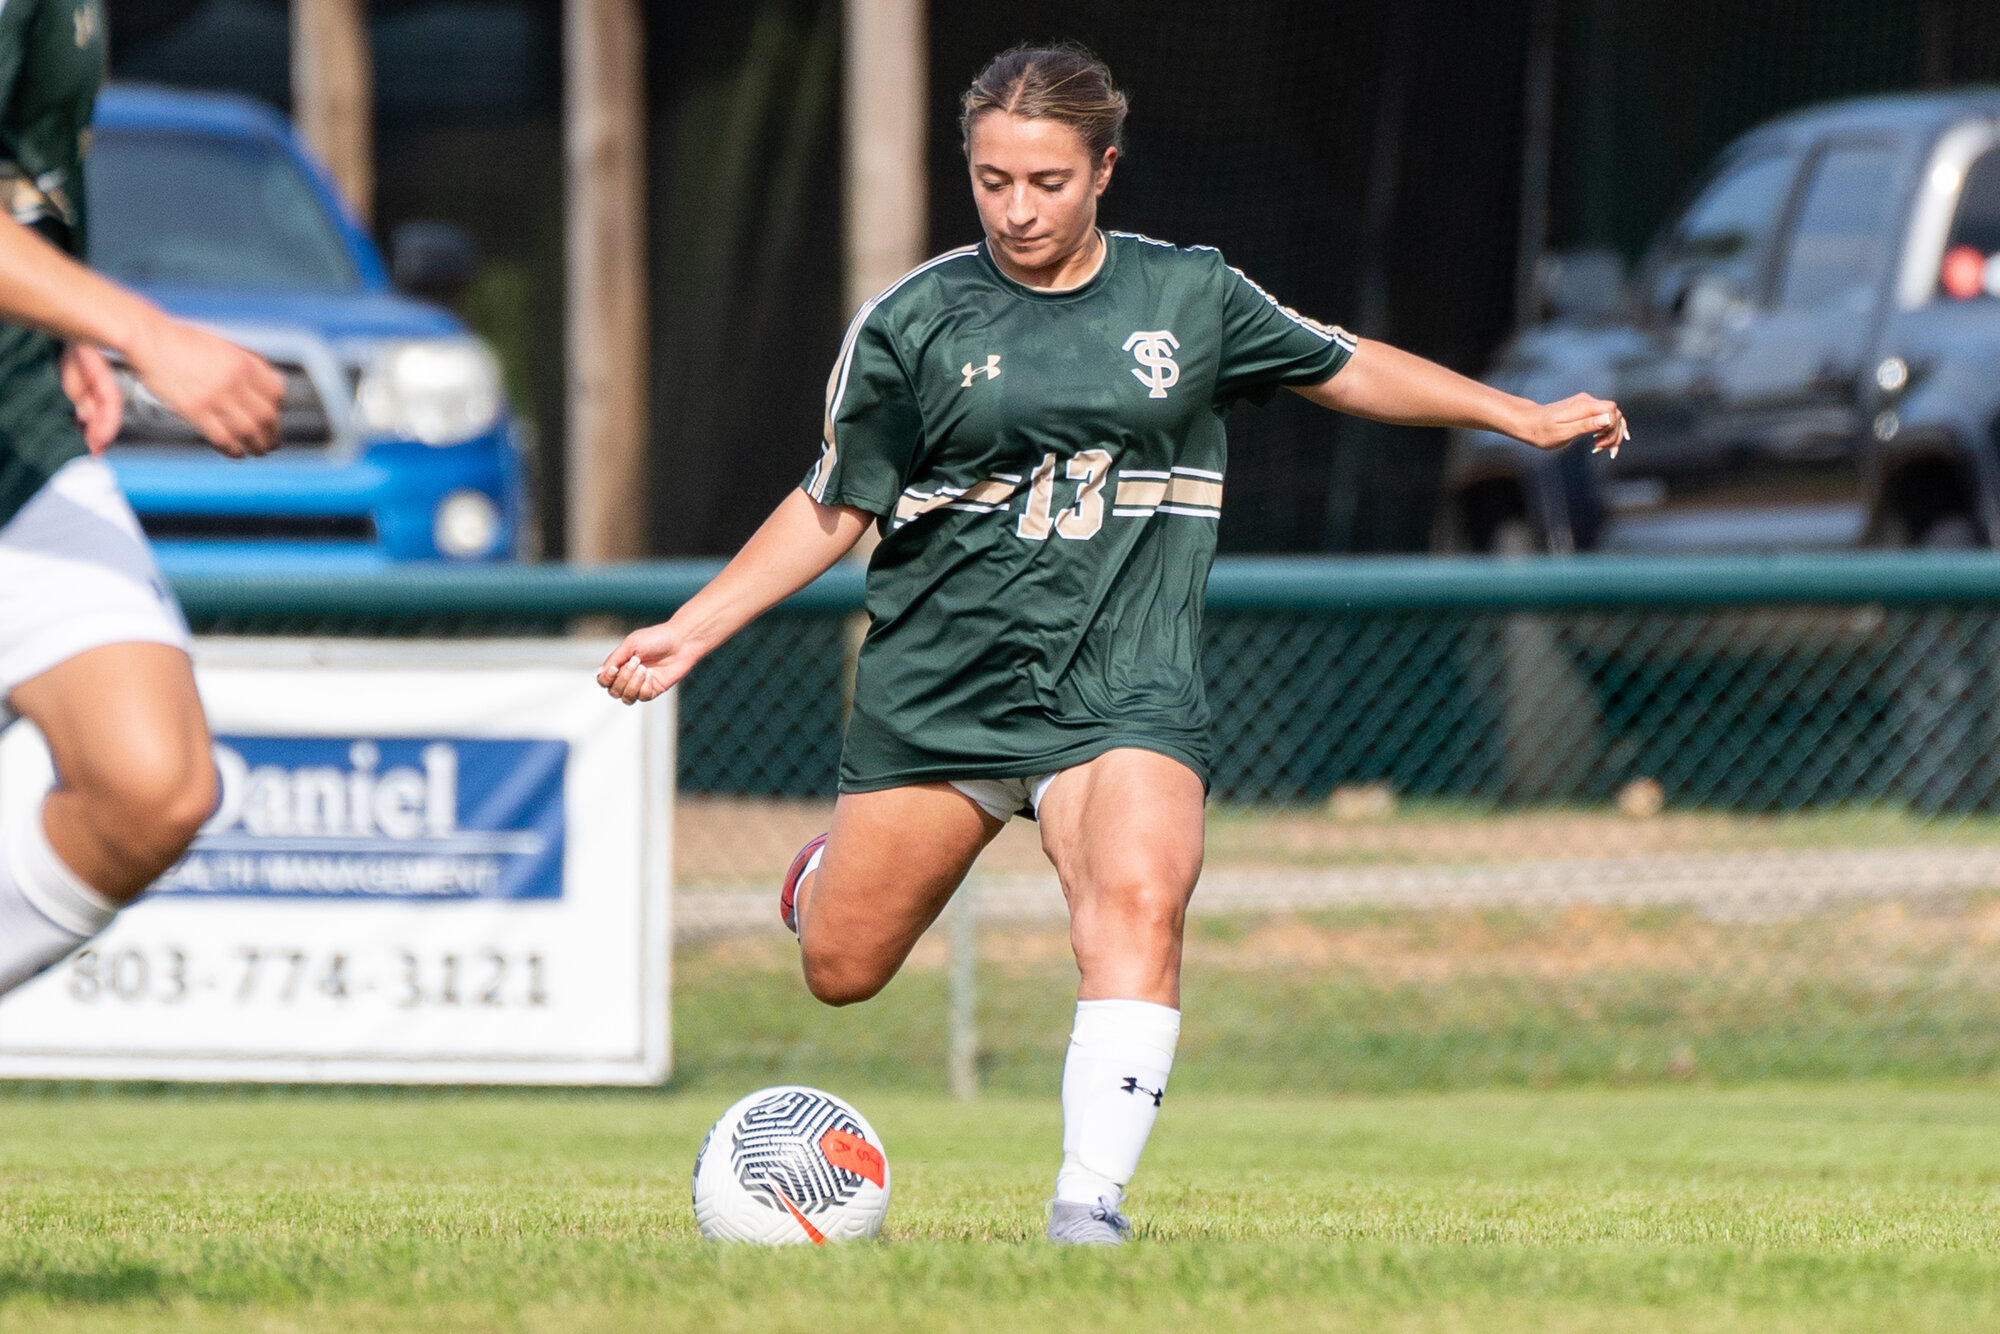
[[441, 862]]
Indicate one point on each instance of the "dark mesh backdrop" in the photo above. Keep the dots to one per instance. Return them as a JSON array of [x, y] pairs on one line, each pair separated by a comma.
[[1361, 162], [1258, 133]]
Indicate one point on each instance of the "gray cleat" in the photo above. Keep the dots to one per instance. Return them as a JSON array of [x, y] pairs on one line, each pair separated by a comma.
[[1087, 1224]]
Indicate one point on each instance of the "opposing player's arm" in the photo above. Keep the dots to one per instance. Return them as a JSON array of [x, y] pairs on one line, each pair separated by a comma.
[[228, 394], [1386, 384], [93, 389], [796, 545]]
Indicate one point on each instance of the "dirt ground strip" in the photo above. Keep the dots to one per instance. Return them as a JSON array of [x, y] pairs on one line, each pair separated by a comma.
[[734, 841], [1892, 946]]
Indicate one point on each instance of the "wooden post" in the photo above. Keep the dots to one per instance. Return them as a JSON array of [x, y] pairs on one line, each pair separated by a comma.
[[333, 93], [604, 154], [887, 72], [888, 213], [888, 87]]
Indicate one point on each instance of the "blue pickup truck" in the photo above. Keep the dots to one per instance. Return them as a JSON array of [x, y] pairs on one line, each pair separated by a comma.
[[396, 440]]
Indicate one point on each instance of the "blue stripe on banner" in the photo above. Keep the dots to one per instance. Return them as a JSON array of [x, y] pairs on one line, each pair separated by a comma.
[[381, 818]]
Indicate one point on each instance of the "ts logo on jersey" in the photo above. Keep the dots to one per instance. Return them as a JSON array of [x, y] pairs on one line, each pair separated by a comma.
[[991, 370], [1155, 352]]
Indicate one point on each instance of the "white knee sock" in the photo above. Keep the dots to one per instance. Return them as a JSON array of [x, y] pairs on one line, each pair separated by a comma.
[[46, 910], [1119, 1054]]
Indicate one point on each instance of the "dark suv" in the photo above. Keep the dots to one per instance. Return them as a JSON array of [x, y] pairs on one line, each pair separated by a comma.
[[1809, 355]]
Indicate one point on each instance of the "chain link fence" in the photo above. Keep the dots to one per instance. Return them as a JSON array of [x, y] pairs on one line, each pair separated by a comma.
[[1516, 822]]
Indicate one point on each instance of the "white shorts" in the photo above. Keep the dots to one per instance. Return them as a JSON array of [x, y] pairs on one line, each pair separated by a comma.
[[1005, 798], [76, 574]]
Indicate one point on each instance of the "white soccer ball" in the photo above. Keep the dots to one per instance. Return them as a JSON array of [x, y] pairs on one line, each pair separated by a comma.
[[791, 1165]]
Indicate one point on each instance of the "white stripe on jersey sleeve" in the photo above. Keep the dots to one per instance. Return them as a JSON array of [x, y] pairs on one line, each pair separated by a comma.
[[1332, 333], [836, 380], [1151, 240]]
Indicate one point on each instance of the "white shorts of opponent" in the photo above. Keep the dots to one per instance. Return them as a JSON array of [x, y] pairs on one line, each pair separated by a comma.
[[76, 574], [1005, 798]]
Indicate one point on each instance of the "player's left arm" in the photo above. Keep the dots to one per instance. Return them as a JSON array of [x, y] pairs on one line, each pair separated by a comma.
[[1386, 384]]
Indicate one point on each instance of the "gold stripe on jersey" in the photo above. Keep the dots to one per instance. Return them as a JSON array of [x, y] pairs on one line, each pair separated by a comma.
[[1192, 492], [32, 199], [980, 498], [1143, 494]]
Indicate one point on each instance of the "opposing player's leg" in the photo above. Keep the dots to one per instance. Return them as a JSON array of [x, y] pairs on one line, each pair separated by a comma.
[[131, 749], [1125, 834], [94, 651], [890, 864]]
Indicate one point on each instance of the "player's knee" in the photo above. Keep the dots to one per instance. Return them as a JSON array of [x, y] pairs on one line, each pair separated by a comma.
[[155, 800], [1141, 906], [1139, 921], [834, 980]]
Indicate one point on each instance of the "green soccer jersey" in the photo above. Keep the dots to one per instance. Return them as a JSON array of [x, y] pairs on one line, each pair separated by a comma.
[[1048, 471], [51, 62]]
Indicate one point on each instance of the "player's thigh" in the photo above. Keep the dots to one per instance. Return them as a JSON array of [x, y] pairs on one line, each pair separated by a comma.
[[1124, 832], [92, 647], [892, 861], [124, 721]]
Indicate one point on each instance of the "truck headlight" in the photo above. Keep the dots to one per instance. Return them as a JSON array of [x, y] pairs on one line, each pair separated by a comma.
[[467, 524], [442, 391]]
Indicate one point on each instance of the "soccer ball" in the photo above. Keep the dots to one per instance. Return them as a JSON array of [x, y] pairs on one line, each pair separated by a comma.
[[790, 1165]]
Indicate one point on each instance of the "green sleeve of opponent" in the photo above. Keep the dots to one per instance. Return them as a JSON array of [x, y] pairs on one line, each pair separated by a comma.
[[51, 63], [13, 50]]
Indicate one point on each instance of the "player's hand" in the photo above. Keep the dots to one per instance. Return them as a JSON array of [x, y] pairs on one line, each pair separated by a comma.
[[1553, 425], [228, 394], [93, 389], [647, 664]]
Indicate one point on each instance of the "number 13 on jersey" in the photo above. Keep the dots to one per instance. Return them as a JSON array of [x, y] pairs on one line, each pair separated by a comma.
[[1080, 520]]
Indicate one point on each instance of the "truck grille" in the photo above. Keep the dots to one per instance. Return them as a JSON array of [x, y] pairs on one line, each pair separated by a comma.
[[168, 527], [303, 420]]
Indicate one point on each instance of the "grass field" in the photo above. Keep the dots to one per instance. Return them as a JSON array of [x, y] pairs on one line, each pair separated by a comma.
[[1479, 1120], [1389, 1000], [1687, 1208]]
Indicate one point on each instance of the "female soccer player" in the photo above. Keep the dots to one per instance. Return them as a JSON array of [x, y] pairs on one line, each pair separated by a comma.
[[1034, 424], [92, 647]]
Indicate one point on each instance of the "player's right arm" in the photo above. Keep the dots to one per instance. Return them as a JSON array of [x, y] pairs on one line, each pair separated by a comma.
[[799, 542], [227, 393], [872, 428]]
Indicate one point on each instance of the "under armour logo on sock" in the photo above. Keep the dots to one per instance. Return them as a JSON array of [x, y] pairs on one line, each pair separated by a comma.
[[1132, 1085]]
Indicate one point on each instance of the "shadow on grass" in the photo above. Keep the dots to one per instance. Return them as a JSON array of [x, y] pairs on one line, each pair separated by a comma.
[[103, 1284]]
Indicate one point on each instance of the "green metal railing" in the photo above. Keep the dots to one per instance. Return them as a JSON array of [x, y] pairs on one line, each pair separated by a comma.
[[1478, 583], [460, 599], [1743, 683], [1494, 895]]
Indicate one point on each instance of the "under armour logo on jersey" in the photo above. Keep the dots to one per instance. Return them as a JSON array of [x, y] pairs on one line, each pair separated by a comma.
[[1155, 352], [1132, 1084], [991, 370]]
